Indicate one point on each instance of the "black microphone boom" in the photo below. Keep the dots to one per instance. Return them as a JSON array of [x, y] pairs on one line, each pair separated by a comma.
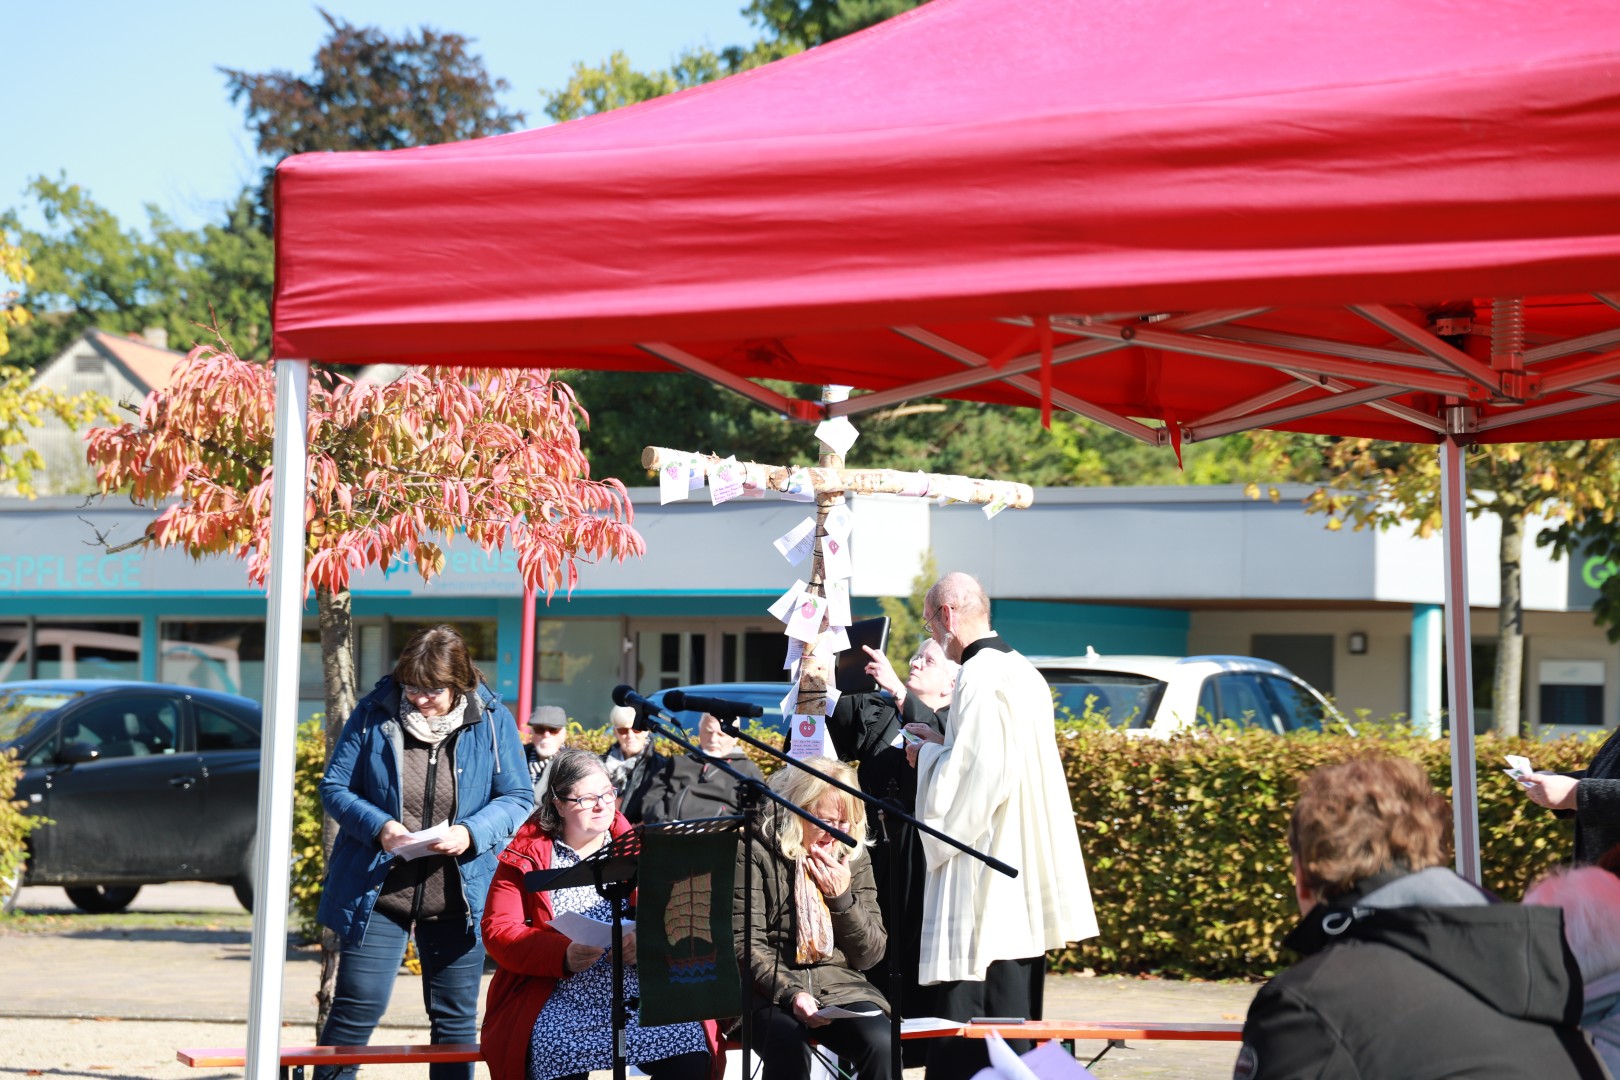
[[626, 695], [719, 708]]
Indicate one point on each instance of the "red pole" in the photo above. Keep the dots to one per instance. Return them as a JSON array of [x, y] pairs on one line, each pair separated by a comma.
[[525, 699]]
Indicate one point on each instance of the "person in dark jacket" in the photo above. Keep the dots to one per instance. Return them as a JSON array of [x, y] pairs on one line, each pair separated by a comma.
[[1409, 971], [815, 928], [865, 729], [691, 787], [632, 763], [429, 746], [1591, 796]]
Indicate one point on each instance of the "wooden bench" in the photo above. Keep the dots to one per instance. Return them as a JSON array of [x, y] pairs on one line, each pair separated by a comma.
[[1114, 1032], [295, 1058]]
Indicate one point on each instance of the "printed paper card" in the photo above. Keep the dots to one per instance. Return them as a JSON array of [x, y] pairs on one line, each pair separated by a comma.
[[835, 558], [838, 434], [725, 480], [672, 485], [838, 602], [695, 465], [957, 489], [837, 639], [791, 698], [795, 649], [796, 544], [809, 737], [839, 522], [995, 505], [805, 621], [800, 488], [785, 601]]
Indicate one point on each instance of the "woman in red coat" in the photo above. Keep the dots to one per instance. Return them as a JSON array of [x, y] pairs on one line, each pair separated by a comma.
[[549, 1011]]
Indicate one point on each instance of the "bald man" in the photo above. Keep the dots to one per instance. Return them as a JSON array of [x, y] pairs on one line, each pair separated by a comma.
[[994, 781]]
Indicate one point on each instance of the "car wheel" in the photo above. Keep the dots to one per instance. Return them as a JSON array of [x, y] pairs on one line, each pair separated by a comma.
[[102, 899], [243, 885]]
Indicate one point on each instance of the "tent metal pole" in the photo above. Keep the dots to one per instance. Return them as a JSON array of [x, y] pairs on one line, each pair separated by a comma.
[[277, 763], [1459, 659], [525, 699]]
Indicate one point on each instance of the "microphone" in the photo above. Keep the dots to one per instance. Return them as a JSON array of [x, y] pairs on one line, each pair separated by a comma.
[[624, 694], [719, 708]]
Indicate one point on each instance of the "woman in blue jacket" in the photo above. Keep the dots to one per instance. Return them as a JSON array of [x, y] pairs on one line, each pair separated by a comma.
[[429, 746]]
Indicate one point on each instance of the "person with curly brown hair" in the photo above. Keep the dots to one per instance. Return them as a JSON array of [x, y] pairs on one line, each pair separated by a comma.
[[1409, 971]]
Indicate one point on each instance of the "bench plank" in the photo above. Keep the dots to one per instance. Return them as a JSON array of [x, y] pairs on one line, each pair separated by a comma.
[[226, 1057], [1110, 1029]]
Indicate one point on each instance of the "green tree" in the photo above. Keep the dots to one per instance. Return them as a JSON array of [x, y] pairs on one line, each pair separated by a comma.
[[369, 91], [906, 630], [88, 270], [1379, 484]]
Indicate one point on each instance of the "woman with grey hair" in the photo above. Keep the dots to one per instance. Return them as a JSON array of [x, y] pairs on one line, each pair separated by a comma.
[[549, 1010], [815, 928], [1590, 899]]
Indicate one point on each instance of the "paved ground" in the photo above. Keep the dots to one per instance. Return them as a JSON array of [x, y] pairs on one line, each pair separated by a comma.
[[113, 1004]]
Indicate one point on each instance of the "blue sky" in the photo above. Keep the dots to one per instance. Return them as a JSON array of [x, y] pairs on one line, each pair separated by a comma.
[[125, 97]]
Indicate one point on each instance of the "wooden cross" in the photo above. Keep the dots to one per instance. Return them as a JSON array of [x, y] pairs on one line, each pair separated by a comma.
[[830, 481]]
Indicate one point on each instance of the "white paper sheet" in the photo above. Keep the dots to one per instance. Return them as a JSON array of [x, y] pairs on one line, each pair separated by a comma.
[[840, 522], [799, 487], [672, 484], [835, 558], [588, 931], [929, 1023], [784, 603], [809, 736], [725, 481], [838, 602], [421, 840], [838, 1012], [838, 433], [796, 544], [804, 619]]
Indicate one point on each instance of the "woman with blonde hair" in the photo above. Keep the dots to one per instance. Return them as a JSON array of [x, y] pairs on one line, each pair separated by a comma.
[[816, 927]]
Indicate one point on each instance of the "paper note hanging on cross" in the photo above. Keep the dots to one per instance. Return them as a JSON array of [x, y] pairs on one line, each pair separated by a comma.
[[784, 603], [725, 481], [796, 544], [809, 736], [839, 522], [800, 487], [672, 485], [835, 558], [795, 649], [807, 614], [838, 613], [838, 433]]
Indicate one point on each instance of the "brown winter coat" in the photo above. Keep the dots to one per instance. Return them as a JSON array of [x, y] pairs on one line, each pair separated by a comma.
[[769, 960]]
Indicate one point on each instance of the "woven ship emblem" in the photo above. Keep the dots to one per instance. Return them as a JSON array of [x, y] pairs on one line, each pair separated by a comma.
[[692, 955]]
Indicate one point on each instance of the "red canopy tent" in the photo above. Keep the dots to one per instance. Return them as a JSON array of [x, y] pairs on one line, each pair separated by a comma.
[[1182, 218]]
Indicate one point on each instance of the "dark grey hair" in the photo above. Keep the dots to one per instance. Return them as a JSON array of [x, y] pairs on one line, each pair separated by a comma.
[[568, 768]]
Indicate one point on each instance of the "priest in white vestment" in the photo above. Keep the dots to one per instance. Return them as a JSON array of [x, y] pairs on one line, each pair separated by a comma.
[[995, 782]]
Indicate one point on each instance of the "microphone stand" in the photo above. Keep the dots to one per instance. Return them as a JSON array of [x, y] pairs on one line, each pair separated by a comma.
[[750, 793], [731, 727]]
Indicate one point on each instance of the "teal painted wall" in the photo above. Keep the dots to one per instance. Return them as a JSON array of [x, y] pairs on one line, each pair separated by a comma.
[[1038, 627]]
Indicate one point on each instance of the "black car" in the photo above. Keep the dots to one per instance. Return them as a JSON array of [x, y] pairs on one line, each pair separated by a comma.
[[141, 782]]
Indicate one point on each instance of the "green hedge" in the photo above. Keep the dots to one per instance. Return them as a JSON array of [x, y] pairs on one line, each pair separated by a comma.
[[15, 825], [1185, 840]]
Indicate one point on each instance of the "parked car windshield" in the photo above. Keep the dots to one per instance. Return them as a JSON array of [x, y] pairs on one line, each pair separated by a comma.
[[1124, 699], [21, 709]]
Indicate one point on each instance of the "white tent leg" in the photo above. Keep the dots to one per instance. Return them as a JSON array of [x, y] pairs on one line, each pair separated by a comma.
[[1459, 662], [277, 762]]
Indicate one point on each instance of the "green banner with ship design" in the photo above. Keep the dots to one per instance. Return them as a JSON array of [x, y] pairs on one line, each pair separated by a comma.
[[684, 954]]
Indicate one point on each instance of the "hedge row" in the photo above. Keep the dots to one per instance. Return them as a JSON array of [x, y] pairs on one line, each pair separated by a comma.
[[1185, 840]]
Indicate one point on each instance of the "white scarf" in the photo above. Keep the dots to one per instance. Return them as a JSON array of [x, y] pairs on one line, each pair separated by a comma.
[[432, 730]]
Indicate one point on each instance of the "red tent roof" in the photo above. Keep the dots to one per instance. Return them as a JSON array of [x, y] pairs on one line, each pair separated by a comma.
[[1230, 213]]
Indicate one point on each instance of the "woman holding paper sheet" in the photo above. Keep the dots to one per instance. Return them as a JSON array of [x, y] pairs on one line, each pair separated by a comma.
[[549, 1010], [816, 927], [430, 750], [1591, 796]]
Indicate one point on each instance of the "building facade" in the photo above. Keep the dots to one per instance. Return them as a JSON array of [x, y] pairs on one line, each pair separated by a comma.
[[1123, 570]]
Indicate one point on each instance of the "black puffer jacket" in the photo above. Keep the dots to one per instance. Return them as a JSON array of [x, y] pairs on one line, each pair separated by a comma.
[[1597, 803], [1421, 976]]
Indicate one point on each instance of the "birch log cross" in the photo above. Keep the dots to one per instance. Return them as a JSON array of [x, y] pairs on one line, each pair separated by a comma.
[[830, 482]]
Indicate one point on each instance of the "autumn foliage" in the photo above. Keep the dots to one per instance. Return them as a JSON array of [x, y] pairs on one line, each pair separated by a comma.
[[493, 454]]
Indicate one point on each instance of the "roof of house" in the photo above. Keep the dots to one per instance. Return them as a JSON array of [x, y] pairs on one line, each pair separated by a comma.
[[148, 366]]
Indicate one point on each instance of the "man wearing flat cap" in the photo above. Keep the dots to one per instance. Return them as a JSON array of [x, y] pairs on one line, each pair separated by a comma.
[[548, 726], [633, 764]]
